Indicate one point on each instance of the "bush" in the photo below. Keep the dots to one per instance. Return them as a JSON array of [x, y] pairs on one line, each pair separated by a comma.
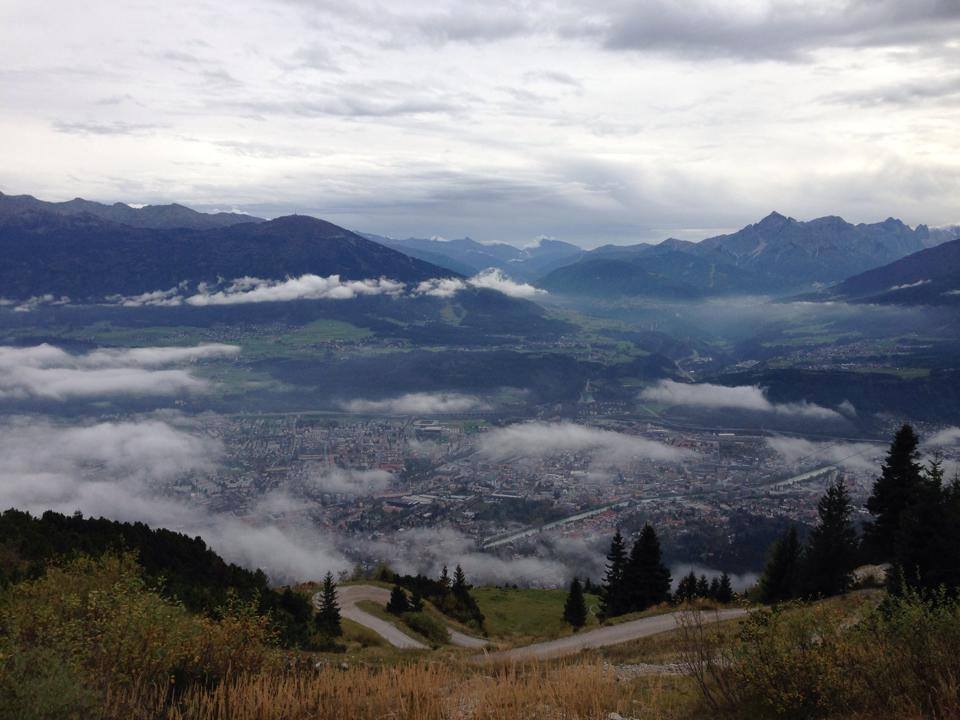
[[94, 626], [898, 660], [428, 626]]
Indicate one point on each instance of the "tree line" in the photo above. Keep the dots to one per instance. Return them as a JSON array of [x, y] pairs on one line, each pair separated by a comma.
[[451, 597], [637, 579], [182, 567], [915, 529]]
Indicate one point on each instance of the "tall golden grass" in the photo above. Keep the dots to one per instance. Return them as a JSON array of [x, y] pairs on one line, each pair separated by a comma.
[[421, 690]]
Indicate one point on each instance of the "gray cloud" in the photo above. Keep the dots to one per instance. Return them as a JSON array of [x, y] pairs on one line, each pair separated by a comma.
[[419, 404], [777, 29], [861, 457], [947, 436], [332, 479], [427, 550], [540, 439], [103, 128], [120, 470], [50, 373], [920, 90], [746, 397]]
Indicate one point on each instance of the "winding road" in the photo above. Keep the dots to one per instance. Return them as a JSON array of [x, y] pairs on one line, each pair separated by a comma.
[[601, 637], [350, 595]]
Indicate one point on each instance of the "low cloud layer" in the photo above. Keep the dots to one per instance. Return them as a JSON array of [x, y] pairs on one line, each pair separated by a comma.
[[857, 457], [332, 479], [427, 550], [419, 404], [313, 287], [489, 279], [539, 439], [305, 287], [120, 471], [944, 438], [743, 397], [49, 373]]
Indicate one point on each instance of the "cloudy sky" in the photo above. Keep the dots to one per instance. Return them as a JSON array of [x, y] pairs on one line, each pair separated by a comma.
[[599, 121]]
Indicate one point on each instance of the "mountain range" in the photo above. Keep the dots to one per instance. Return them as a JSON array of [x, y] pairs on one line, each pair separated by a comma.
[[87, 250], [468, 257], [776, 254], [148, 216], [86, 258], [928, 277]]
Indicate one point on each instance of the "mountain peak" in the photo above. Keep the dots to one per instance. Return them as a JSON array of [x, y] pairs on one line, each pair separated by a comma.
[[773, 220]]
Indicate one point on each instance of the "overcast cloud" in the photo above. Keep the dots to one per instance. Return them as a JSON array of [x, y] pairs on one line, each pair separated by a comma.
[[601, 121]]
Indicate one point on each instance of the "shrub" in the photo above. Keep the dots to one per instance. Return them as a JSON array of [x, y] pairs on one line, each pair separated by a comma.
[[98, 620], [896, 660], [428, 626]]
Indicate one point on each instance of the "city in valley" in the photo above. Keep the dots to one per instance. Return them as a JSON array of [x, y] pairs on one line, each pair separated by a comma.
[[366, 480]]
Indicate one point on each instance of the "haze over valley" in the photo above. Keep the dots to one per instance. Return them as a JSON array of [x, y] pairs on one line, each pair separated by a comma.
[[331, 400]]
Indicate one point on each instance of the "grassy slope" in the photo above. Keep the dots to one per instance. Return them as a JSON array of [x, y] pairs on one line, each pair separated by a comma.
[[526, 615]]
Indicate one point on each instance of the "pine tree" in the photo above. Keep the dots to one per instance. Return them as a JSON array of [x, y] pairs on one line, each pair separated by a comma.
[[686, 588], [416, 602], [703, 587], [646, 580], [831, 553], [575, 609], [398, 603], [328, 615], [781, 574], [445, 578], [714, 588], [613, 599], [927, 550], [724, 589], [894, 491], [460, 586]]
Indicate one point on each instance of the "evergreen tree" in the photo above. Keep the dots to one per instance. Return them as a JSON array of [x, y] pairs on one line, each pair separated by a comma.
[[398, 603], [928, 541], [589, 588], [832, 550], [416, 602], [894, 492], [646, 580], [460, 586], [714, 588], [781, 574], [328, 615], [613, 600], [445, 578], [686, 588], [575, 609], [703, 587], [724, 590]]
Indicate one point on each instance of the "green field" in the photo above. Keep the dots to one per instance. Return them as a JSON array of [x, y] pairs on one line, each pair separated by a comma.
[[520, 615]]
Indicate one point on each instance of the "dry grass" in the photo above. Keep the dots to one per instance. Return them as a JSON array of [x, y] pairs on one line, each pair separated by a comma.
[[416, 691]]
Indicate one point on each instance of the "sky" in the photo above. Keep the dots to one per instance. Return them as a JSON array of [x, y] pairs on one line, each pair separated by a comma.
[[594, 121]]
